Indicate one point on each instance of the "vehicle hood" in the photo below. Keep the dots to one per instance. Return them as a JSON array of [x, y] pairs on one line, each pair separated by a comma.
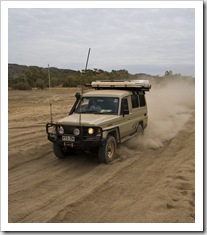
[[88, 119]]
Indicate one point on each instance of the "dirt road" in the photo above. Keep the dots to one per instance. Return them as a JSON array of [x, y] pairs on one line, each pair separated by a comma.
[[151, 180]]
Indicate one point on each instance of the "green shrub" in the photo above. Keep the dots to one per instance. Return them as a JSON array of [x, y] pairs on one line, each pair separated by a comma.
[[21, 86], [40, 84]]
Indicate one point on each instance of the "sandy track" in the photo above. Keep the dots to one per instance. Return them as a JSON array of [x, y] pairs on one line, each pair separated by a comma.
[[149, 181]]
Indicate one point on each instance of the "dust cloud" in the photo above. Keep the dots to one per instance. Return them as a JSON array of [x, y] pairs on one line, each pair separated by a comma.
[[170, 105]]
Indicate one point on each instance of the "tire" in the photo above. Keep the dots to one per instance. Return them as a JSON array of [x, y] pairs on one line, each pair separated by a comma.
[[58, 151], [140, 130], [106, 153]]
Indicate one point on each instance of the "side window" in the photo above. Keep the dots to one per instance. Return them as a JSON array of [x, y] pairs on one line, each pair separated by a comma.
[[124, 105], [135, 102], [142, 100]]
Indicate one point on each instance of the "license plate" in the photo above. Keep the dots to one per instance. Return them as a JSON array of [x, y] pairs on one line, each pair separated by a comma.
[[68, 138]]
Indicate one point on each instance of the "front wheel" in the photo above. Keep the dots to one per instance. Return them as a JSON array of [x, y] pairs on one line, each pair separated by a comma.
[[106, 153], [58, 151]]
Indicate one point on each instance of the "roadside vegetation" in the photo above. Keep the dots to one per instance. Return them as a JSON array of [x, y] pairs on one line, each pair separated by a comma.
[[23, 77]]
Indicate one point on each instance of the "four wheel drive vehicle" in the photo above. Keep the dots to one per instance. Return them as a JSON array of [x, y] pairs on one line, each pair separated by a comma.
[[102, 118]]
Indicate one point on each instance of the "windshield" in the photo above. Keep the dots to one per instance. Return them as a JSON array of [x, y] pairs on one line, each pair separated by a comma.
[[100, 105]]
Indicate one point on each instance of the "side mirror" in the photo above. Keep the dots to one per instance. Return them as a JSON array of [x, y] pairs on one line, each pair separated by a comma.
[[125, 112]]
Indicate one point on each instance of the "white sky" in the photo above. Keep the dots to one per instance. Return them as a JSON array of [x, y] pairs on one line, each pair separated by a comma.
[[139, 40]]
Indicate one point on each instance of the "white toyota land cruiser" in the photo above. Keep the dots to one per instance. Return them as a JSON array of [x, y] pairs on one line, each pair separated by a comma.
[[102, 118]]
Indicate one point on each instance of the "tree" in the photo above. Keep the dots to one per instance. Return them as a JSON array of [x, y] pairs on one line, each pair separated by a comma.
[[168, 73], [40, 84]]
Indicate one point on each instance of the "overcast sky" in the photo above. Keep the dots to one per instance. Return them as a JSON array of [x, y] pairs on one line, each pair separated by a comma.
[[138, 40]]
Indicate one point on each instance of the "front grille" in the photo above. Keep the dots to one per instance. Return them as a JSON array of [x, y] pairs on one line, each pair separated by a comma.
[[68, 129]]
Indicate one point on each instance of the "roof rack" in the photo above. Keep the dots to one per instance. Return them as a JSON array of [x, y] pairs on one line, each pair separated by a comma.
[[142, 85]]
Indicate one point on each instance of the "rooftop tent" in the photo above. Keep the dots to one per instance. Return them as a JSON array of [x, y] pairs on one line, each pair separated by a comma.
[[142, 85]]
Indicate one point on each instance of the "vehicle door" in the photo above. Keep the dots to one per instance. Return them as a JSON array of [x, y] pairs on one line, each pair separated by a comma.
[[139, 110], [125, 123]]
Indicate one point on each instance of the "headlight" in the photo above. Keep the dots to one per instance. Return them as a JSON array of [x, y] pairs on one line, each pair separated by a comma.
[[90, 131], [60, 130], [76, 132]]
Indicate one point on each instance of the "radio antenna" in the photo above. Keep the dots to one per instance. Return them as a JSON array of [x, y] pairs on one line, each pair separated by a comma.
[[50, 94], [87, 59], [82, 84]]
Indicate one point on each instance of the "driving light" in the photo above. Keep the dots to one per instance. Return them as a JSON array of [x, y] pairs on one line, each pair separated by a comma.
[[90, 131], [76, 132], [52, 129], [61, 130]]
